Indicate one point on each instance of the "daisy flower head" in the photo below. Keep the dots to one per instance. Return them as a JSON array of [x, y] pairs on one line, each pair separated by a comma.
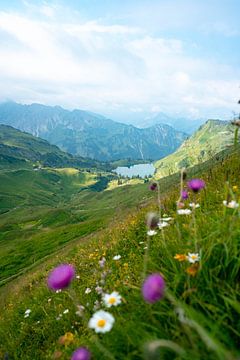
[[151, 232], [184, 211], [194, 206], [81, 353], [112, 299], [61, 277], [102, 321], [231, 205], [117, 257], [153, 288], [193, 257], [162, 224], [196, 185]]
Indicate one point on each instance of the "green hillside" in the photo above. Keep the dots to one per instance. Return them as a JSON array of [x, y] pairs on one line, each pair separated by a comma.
[[212, 137], [198, 318], [22, 150]]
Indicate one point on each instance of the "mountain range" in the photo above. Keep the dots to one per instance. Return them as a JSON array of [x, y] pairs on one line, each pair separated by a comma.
[[91, 135]]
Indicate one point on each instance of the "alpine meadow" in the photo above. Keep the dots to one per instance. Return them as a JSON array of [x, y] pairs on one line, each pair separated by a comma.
[[119, 180]]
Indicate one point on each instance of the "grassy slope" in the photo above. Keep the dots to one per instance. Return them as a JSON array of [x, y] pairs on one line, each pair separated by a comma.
[[22, 150], [42, 211], [210, 300], [211, 138]]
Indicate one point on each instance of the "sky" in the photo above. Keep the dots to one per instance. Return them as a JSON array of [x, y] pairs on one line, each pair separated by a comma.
[[127, 60]]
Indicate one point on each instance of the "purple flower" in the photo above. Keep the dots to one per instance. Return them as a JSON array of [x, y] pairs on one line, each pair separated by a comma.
[[153, 186], [196, 185], [153, 288], [81, 354], [184, 195], [61, 277]]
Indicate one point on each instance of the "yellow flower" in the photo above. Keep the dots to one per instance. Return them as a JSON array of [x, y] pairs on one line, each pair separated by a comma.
[[180, 257], [66, 339], [193, 269], [235, 188]]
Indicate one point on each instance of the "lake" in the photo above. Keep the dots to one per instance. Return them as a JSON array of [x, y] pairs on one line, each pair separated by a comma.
[[135, 170]]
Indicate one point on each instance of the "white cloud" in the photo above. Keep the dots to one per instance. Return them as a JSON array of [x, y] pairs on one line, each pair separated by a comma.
[[106, 67]]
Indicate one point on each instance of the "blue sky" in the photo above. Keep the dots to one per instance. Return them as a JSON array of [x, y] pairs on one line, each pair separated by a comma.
[[125, 59]]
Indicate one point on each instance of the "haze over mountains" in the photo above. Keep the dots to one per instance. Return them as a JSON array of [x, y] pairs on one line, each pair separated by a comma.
[[91, 135]]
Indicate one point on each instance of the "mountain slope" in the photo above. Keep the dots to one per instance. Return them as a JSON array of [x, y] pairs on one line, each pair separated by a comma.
[[211, 138], [89, 135], [22, 150]]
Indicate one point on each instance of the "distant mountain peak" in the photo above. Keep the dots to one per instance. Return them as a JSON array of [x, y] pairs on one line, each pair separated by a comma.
[[89, 135]]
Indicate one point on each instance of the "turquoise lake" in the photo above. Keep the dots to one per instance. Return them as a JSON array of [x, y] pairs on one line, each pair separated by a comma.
[[135, 170]]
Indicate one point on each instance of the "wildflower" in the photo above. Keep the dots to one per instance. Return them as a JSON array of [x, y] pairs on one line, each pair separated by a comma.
[[180, 257], [194, 206], [61, 277], [80, 310], [196, 185], [102, 321], [66, 339], [153, 186], [78, 277], [166, 218], [180, 205], [102, 262], [192, 258], [81, 353], [153, 288], [162, 224], [112, 299], [235, 188], [184, 195], [151, 232], [231, 205], [99, 289], [192, 270], [27, 313], [96, 305], [87, 291], [152, 220], [184, 211], [66, 311], [117, 257]]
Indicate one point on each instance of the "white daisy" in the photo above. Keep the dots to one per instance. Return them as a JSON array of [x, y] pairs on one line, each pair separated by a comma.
[[232, 204], [117, 257], [66, 311], [184, 211], [166, 219], [112, 299], [28, 311], [151, 232], [192, 258], [102, 321], [162, 224], [87, 291], [194, 206]]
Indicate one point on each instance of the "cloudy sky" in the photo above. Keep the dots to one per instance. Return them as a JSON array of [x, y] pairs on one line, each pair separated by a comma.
[[123, 58]]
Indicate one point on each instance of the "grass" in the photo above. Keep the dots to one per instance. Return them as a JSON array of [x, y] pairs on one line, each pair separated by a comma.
[[210, 300]]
